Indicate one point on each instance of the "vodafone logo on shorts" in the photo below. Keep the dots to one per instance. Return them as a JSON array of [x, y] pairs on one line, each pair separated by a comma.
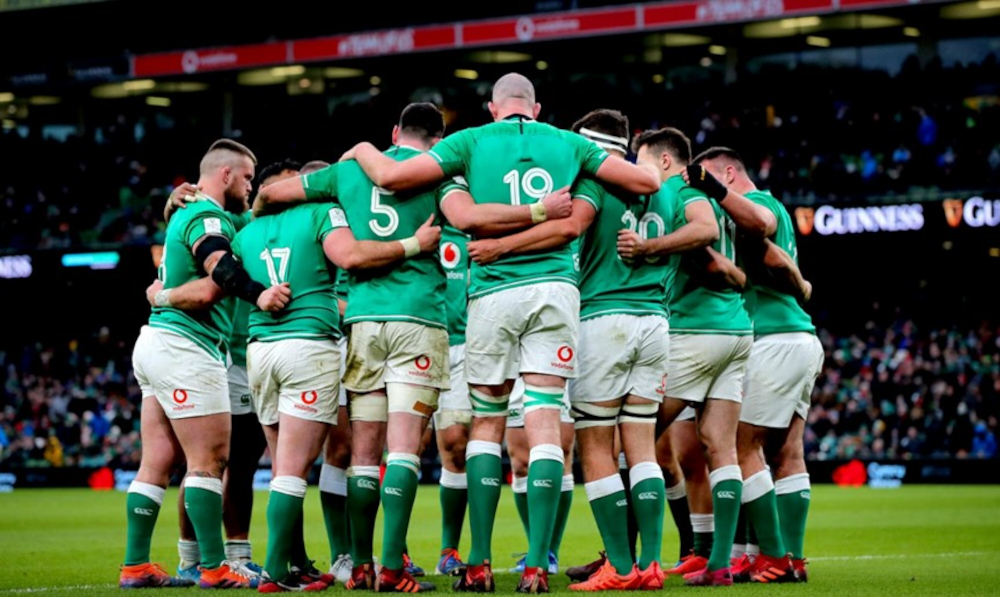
[[564, 357], [450, 255], [662, 389], [308, 398], [421, 366], [180, 399]]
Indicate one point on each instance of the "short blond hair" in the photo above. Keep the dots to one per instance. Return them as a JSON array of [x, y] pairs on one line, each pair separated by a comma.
[[224, 152]]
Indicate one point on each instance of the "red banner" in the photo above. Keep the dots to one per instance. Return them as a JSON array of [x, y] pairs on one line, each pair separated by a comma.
[[374, 43], [536, 28], [198, 61], [725, 11]]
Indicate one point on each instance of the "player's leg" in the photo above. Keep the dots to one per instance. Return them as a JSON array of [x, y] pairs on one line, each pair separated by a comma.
[[794, 494], [691, 460], [333, 482], [333, 493], [451, 426], [676, 492], [246, 447], [568, 438], [517, 452]]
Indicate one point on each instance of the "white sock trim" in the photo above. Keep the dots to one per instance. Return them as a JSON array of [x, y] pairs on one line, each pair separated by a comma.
[[725, 473], [481, 448], [333, 480], [644, 471], [238, 549], [703, 523], [454, 480], [188, 552], [677, 491], [568, 482], [289, 485], [372, 472], [546, 452], [791, 484], [737, 551], [604, 487], [753, 550], [622, 461], [757, 486], [519, 484], [206, 483], [410, 462], [153, 492]]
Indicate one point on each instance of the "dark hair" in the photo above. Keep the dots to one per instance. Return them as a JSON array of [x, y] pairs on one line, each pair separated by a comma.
[[609, 122], [667, 139], [276, 168], [423, 120], [721, 152], [230, 145], [313, 166]]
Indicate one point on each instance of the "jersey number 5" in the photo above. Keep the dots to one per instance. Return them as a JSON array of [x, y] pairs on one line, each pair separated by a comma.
[[381, 209], [281, 256]]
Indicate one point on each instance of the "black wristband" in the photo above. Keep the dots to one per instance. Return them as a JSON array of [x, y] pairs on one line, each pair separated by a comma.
[[235, 281], [702, 179]]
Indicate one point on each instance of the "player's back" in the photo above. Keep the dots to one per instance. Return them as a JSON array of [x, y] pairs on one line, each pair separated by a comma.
[[408, 290], [288, 247], [518, 161], [209, 328], [698, 305], [608, 283], [773, 311]]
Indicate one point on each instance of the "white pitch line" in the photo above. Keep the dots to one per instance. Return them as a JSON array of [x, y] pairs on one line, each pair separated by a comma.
[[902, 556], [66, 588]]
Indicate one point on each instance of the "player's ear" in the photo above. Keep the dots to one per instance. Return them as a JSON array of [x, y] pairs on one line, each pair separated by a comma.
[[226, 173], [536, 110], [493, 110], [665, 160], [395, 133]]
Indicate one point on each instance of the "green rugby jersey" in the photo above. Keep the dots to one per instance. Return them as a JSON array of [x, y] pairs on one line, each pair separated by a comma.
[[455, 260], [517, 161], [773, 311], [610, 285], [694, 307], [411, 290], [209, 328], [240, 309], [288, 247]]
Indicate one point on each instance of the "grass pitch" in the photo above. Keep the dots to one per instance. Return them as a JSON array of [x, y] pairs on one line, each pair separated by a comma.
[[929, 540]]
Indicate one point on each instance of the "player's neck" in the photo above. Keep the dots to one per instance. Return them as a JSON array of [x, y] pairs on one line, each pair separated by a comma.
[[511, 111], [412, 143], [743, 186], [213, 190]]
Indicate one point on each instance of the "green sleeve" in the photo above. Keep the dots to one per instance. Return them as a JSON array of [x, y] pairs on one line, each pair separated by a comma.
[[689, 195], [208, 223], [331, 218], [455, 183], [241, 220], [453, 152], [590, 191], [322, 184], [588, 153]]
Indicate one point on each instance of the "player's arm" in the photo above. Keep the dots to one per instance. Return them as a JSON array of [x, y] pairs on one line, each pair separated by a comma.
[[724, 271], [279, 195], [418, 171], [783, 273], [641, 179], [191, 296], [752, 219], [183, 194], [700, 230], [487, 220], [544, 236], [215, 255], [348, 253]]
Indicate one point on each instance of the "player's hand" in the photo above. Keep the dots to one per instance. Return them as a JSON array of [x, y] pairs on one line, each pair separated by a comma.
[[151, 291], [428, 235], [485, 251], [275, 298], [350, 153], [701, 179], [558, 204], [630, 245], [183, 194], [807, 291]]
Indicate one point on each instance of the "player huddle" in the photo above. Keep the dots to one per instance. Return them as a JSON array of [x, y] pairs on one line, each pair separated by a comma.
[[512, 281]]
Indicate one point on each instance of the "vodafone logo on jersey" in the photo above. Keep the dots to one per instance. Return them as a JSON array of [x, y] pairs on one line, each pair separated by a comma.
[[564, 358], [308, 398], [180, 400], [421, 366], [451, 255]]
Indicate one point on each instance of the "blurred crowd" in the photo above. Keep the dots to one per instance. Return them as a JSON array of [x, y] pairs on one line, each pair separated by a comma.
[[893, 391], [837, 134]]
